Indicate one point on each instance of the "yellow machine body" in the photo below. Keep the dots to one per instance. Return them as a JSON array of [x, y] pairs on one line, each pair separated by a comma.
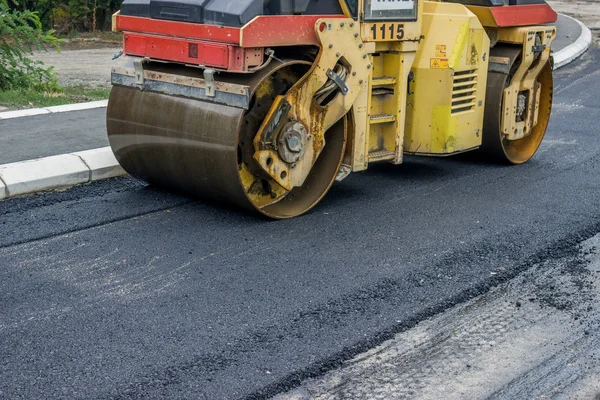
[[447, 92], [448, 81]]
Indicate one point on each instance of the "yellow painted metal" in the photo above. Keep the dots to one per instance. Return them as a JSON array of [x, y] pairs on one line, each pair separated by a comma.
[[379, 111], [485, 16], [114, 21], [447, 91], [345, 8], [387, 105], [358, 149], [416, 87], [523, 81], [520, 150], [340, 42]]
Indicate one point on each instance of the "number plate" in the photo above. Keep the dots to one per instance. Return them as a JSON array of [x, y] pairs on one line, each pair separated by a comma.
[[386, 32]]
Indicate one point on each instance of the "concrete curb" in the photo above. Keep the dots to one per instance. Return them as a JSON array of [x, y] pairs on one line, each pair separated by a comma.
[[51, 110], [57, 172], [577, 48]]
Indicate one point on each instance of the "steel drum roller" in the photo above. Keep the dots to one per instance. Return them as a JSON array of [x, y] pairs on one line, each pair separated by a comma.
[[205, 149]]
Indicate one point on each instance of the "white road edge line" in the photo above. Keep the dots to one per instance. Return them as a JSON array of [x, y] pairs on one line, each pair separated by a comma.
[[54, 109], [575, 49], [56, 172]]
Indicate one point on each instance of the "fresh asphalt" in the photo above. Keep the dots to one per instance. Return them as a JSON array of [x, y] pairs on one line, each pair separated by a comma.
[[117, 290]]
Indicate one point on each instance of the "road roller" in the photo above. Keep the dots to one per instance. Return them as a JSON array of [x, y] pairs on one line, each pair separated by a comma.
[[263, 104]]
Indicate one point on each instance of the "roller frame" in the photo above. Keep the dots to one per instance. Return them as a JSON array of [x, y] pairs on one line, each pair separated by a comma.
[[524, 78], [339, 38]]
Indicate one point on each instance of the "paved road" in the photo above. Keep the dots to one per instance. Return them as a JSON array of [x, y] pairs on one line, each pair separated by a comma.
[[535, 336], [52, 134], [568, 32], [118, 290]]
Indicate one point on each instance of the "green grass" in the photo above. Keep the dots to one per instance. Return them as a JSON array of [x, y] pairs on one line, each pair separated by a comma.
[[17, 99]]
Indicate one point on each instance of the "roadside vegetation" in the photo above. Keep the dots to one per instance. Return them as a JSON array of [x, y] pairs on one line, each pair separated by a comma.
[[34, 25], [32, 98]]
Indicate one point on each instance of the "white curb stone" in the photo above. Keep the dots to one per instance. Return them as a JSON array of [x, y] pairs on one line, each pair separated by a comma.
[[575, 49], [101, 163], [23, 113], [78, 106], [43, 174], [58, 172], [3, 192], [51, 110]]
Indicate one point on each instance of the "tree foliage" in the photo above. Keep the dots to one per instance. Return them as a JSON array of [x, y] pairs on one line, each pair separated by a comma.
[[68, 16], [21, 32]]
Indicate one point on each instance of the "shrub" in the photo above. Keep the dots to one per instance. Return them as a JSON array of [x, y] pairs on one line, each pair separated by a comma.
[[20, 34]]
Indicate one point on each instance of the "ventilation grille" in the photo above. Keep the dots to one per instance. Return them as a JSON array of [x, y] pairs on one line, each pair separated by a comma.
[[464, 91]]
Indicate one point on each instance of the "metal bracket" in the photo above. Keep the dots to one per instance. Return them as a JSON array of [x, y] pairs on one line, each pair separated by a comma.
[[338, 81], [499, 64], [343, 172], [411, 78], [138, 67], [209, 78]]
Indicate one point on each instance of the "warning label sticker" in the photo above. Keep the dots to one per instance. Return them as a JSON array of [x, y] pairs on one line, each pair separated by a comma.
[[438, 63], [440, 50]]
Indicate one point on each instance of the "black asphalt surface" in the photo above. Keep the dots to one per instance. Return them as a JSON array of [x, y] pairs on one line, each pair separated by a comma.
[[117, 290], [568, 30], [26, 138]]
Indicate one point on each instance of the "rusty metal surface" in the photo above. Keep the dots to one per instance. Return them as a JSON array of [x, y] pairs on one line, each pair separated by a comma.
[[340, 39], [193, 90]]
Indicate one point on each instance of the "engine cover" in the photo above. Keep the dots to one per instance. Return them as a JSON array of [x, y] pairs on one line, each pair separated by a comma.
[[234, 13]]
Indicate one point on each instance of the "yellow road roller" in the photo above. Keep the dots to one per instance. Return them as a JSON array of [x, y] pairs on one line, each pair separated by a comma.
[[265, 103]]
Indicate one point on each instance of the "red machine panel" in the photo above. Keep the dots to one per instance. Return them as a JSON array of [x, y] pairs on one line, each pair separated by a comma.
[[530, 14], [195, 52], [262, 31], [174, 49]]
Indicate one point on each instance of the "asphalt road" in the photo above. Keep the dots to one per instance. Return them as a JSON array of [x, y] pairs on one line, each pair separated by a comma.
[[51, 134], [535, 336], [117, 290]]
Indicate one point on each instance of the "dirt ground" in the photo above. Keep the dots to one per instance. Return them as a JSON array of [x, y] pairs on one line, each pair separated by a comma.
[[87, 66]]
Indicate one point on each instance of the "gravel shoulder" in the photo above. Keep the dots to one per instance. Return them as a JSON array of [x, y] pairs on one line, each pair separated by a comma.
[[89, 67]]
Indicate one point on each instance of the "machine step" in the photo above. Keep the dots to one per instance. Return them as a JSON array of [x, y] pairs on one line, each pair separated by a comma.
[[382, 91], [382, 118], [383, 81], [381, 155]]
